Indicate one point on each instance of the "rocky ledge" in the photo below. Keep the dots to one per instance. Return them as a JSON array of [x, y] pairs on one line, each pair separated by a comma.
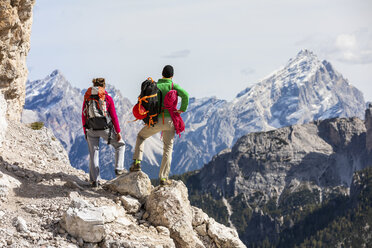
[[45, 202]]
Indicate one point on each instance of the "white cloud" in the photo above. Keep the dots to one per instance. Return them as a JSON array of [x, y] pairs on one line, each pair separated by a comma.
[[346, 41], [352, 48]]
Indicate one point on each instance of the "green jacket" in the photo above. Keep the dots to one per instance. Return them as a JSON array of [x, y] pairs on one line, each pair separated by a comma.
[[165, 85]]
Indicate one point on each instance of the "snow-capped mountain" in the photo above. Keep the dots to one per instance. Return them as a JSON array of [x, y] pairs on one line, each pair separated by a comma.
[[54, 101], [306, 89]]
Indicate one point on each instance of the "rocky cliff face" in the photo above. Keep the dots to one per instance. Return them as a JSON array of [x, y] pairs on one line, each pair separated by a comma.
[[368, 122], [45, 202], [15, 31], [323, 153], [267, 177], [3, 122]]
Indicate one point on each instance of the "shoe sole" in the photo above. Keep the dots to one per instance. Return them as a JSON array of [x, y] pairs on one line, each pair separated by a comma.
[[119, 173]]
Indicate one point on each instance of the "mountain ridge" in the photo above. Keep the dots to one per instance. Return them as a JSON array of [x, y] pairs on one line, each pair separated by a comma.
[[212, 124], [45, 202], [275, 180], [286, 97]]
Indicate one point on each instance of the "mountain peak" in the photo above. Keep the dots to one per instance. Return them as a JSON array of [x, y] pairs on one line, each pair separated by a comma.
[[304, 57], [305, 52], [55, 73]]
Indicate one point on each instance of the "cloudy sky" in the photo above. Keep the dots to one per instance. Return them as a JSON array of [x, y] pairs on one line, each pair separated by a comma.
[[218, 47]]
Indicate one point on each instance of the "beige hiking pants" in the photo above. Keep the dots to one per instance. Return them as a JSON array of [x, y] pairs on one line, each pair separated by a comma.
[[168, 137]]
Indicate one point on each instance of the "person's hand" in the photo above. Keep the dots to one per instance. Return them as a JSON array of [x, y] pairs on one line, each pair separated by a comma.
[[178, 111], [118, 137]]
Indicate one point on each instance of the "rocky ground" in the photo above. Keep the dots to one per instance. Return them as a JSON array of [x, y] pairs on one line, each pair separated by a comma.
[[45, 202]]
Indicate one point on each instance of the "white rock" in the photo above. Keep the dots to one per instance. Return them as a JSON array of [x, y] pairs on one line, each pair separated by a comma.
[[111, 213], [7, 183], [85, 221], [163, 230], [2, 213], [20, 224], [169, 206], [136, 184], [224, 236], [131, 204], [73, 194], [199, 217], [123, 220]]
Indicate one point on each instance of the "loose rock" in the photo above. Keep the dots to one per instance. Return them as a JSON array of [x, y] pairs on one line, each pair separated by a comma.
[[131, 204], [136, 184], [20, 224]]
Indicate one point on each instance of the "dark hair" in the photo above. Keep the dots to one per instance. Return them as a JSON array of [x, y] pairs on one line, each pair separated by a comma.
[[100, 82], [168, 71]]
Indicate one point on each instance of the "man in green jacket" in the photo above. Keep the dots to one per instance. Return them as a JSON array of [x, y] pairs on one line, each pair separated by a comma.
[[165, 124]]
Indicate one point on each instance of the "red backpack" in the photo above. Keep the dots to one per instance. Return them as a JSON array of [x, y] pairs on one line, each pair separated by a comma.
[[170, 103], [95, 110]]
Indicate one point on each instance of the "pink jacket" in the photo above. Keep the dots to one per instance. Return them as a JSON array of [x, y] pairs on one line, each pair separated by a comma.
[[110, 109]]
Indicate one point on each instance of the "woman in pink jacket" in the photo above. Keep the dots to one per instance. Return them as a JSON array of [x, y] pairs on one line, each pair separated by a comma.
[[100, 121]]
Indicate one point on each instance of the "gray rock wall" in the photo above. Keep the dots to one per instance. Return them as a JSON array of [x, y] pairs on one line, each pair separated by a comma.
[[15, 32], [368, 122], [3, 124]]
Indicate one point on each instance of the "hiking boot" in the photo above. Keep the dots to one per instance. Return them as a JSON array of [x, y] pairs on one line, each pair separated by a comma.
[[135, 167], [119, 172], [95, 184], [165, 182]]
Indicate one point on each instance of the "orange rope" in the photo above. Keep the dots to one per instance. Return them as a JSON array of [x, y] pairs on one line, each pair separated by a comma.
[[144, 99], [151, 121]]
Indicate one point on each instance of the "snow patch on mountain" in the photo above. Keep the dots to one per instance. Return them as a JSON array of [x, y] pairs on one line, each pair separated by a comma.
[[306, 89]]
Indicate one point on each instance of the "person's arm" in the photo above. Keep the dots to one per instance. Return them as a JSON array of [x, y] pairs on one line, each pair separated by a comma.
[[112, 112], [184, 96]]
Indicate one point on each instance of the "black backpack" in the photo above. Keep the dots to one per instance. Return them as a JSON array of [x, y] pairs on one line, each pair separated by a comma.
[[150, 99]]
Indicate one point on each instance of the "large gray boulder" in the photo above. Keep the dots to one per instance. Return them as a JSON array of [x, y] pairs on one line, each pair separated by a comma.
[[169, 206], [189, 226], [213, 233], [83, 220], [223, 236], [136, 184], [7, 183], [131, 205]]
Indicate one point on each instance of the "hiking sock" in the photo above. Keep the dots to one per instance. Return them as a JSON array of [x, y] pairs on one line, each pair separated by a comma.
[[165, 181], [136, 166]]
